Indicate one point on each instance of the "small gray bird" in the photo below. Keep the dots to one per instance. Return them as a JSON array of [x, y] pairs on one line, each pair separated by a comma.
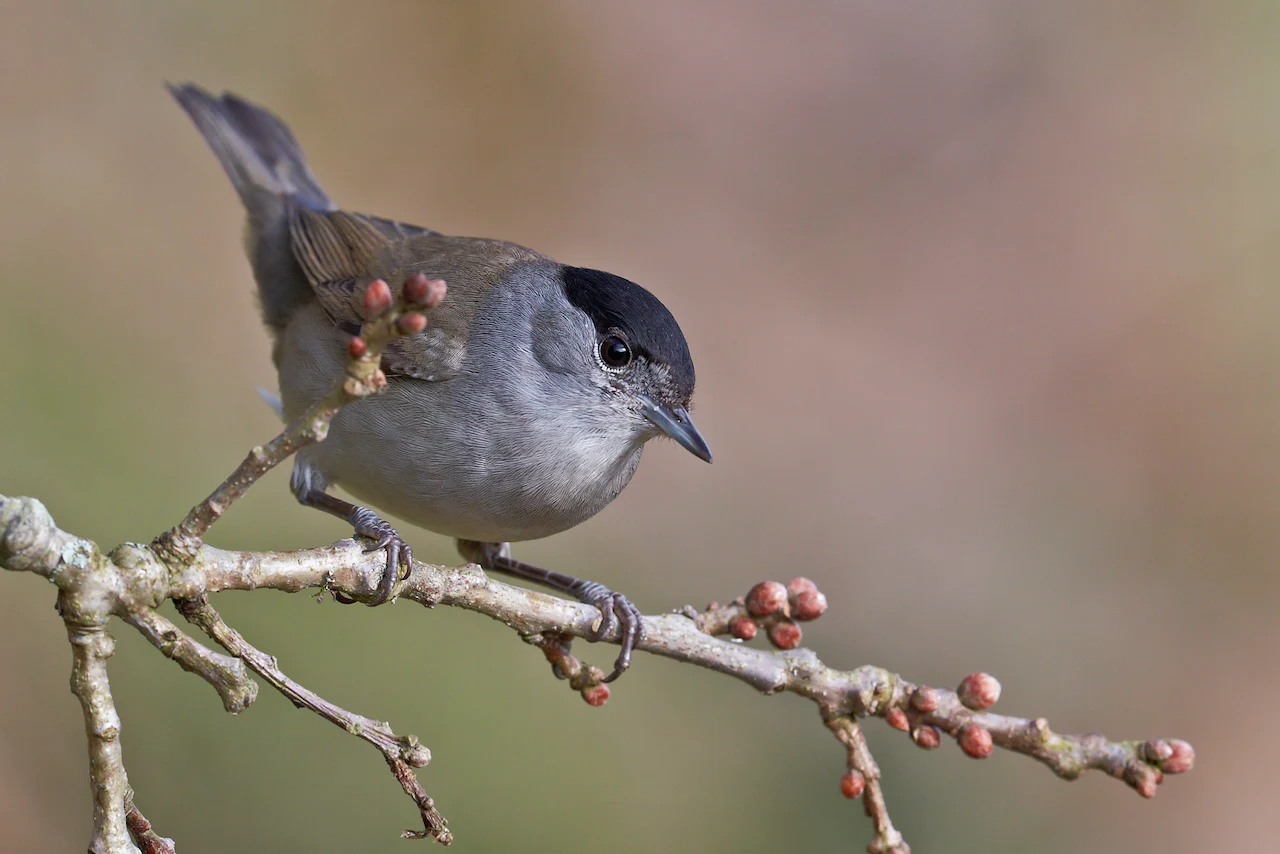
[[520, 411]]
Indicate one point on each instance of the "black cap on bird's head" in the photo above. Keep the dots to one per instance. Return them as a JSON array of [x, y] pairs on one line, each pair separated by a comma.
[[633, 325]]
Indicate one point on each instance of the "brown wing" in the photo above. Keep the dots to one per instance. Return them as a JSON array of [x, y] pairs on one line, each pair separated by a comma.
[[342, 252]]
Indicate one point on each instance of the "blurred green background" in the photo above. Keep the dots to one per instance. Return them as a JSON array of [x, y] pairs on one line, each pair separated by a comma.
[[982, 297]]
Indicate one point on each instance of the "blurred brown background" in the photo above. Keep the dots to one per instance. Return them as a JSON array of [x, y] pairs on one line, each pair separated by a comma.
[[982, 300]]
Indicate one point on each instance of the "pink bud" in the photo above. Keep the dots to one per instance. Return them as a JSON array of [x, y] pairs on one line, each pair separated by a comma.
[[979, 691], [927, 737], [412, 323], [766, 598], [1156, 750], [796, 586], [742, 628], [852, 784], [809, 605], [436, 290], [377, 299], [975, 740], [1182, 758], [924, 699], [357, 347], [785, 634], [897, 719], [596, 695], [415, 288], [1144, 779]]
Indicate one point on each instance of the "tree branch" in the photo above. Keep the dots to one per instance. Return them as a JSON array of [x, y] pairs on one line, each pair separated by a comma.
[[133, 580], [135, 575], [227, 675], [91, 646], [863, 778], [403, 753]]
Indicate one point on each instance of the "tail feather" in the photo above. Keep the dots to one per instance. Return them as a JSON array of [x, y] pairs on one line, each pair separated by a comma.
[[256, 149], [268, 170]]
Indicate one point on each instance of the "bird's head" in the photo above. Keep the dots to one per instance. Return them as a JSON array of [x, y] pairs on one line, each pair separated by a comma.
[[639, 355]]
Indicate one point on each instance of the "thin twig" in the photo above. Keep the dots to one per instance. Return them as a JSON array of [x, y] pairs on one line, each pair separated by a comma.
[[864, 774], [363, 377], [403, 753], [144, 836], [226, 674]]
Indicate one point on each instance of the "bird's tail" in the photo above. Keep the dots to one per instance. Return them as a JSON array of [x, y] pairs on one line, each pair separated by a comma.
[[256, 149], [268, 169]]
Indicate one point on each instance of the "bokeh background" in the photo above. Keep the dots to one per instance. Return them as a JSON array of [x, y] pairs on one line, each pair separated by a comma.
[[982, 297]]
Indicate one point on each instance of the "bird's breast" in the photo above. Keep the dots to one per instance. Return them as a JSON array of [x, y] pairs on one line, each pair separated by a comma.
[[453, 460]]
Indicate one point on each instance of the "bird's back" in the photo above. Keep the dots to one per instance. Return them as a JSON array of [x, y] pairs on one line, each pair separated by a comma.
[[304, 250]]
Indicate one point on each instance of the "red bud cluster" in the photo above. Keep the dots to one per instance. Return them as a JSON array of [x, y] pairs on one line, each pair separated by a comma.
[[1174, 756], [776, 608]]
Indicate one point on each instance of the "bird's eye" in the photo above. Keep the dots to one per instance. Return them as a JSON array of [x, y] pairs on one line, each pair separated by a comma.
[[614, 352]]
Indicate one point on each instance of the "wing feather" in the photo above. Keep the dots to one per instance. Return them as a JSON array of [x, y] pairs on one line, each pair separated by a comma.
[[341, 253]]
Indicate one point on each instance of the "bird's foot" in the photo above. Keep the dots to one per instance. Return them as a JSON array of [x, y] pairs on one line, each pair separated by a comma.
[[616, 612], [369, 524]]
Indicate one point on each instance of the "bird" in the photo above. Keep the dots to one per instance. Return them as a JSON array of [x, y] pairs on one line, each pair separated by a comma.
[[520, 411]]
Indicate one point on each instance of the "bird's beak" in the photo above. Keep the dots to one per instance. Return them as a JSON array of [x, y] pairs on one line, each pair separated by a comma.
[[676, 423]]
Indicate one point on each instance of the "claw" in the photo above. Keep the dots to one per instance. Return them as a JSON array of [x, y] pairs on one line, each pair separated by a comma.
[[608, 618], [617, 610], [369, 524]]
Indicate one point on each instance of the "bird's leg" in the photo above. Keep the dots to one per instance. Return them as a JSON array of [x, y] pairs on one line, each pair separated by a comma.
[[616, 610], [309, 489]]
